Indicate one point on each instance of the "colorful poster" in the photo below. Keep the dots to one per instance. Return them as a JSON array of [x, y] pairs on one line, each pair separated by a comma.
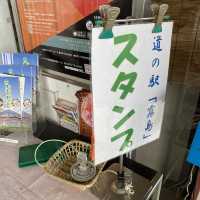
[[43, 19], [129, 78], [23, 64], [59, 31]]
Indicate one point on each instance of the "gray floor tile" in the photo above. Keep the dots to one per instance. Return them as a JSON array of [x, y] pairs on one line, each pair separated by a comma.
[[31, 183], [50, 189], [27, 176], [29, 195], [10, 189], [10, 182]]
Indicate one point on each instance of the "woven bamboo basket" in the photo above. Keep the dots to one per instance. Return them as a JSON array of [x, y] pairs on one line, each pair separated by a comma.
[[59, 165]]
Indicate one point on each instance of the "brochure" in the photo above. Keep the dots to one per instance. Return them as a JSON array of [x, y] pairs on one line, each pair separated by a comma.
[[10, 102]]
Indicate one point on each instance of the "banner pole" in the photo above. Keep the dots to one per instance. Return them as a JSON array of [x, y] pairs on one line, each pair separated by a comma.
[[121, 164]]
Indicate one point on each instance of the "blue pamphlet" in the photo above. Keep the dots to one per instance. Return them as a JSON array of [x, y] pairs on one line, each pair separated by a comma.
[[18, 84], [24, 100], [10, 102], [20, 70], [19, 59], [194, 153], [28, 61]]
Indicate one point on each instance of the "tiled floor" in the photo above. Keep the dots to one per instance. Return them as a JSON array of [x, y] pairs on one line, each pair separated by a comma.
[[31, 183]]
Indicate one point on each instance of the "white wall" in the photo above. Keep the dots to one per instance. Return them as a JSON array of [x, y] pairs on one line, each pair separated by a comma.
[[7, 39]]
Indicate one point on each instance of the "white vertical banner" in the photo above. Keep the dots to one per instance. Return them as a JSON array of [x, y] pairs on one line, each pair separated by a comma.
[[129, 78]]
